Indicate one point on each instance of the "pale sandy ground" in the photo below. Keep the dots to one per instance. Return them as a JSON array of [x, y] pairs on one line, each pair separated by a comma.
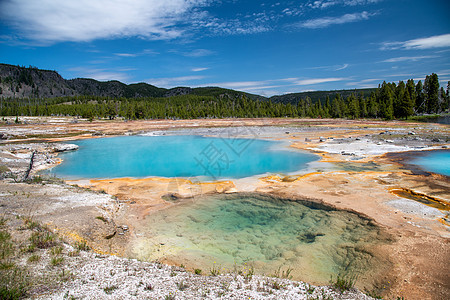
[[353, 174]]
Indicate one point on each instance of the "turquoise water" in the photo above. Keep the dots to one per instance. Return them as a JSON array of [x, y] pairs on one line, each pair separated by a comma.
[[178, 156], [435, 161], [263, 232]]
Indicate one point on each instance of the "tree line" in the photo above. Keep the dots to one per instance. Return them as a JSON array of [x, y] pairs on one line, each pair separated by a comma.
[[388, 101]]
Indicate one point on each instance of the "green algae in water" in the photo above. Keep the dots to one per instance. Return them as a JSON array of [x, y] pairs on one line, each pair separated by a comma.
[[264, 232]]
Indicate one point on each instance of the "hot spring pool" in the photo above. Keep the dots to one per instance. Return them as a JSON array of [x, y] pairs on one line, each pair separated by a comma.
[[434, 161], [178, 156], [264, 232]]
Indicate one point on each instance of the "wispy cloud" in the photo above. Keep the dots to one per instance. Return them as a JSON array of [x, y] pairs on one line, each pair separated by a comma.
[[100, 74], [365, 83], [199, 69], [344, 66], [141, 53], [322, 4], [85, 20], [173, 81], [407, 58], [273, 86], [328, 21], [437, 41], [251, 24], [331, 68], [198, 53], [313, 81], [126, 54]]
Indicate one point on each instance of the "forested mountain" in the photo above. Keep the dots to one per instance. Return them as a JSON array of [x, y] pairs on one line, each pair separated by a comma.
[[33, 92], [294, 98], [31, 82]]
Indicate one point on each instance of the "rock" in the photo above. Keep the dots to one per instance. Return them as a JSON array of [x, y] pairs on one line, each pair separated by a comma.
[[444, 147], [348, 153], [4, 136], [64, 147], [411, 133]]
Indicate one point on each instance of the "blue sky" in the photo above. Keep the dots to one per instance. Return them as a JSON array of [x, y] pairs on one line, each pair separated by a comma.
[[261, 47]]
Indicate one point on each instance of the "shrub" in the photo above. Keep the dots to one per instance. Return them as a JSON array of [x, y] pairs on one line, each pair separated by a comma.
[[56, 250], [56, 261], [43, 240], [215, 270], [82, 246], [110, 289], [344, 282], [283, 274], [6, 247], [14, 284], [34, 258], [198, 271]]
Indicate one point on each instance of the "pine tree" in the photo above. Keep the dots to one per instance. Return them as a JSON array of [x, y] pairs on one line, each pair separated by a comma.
[[431, 88], [443, 99], [398, 100], [412, 91], [372, 106], [386, 101], [420, 98], [327, 109], [353, 106]]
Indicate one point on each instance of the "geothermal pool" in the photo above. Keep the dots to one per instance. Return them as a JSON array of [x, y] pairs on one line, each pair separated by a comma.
[[263, 232], [434, 161], [179, 156]]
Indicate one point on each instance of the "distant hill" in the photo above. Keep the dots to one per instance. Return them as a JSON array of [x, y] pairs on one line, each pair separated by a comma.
[[322, 95], [31, 82]]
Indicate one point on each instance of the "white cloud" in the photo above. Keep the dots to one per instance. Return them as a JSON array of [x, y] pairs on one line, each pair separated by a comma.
[[239, 84], [50, 21], [272, 86], [198, 53], [322, 4], [257, 24], [330, 68], [365, 83], [126, 54], [173, 81], [100, 74], [437, 41], [199, 69], [344, 66], [317, 81], [406, 58], [328, 21], [141, 53]]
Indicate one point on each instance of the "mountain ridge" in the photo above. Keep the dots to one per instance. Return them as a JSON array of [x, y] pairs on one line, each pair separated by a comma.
[[32, 82]]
